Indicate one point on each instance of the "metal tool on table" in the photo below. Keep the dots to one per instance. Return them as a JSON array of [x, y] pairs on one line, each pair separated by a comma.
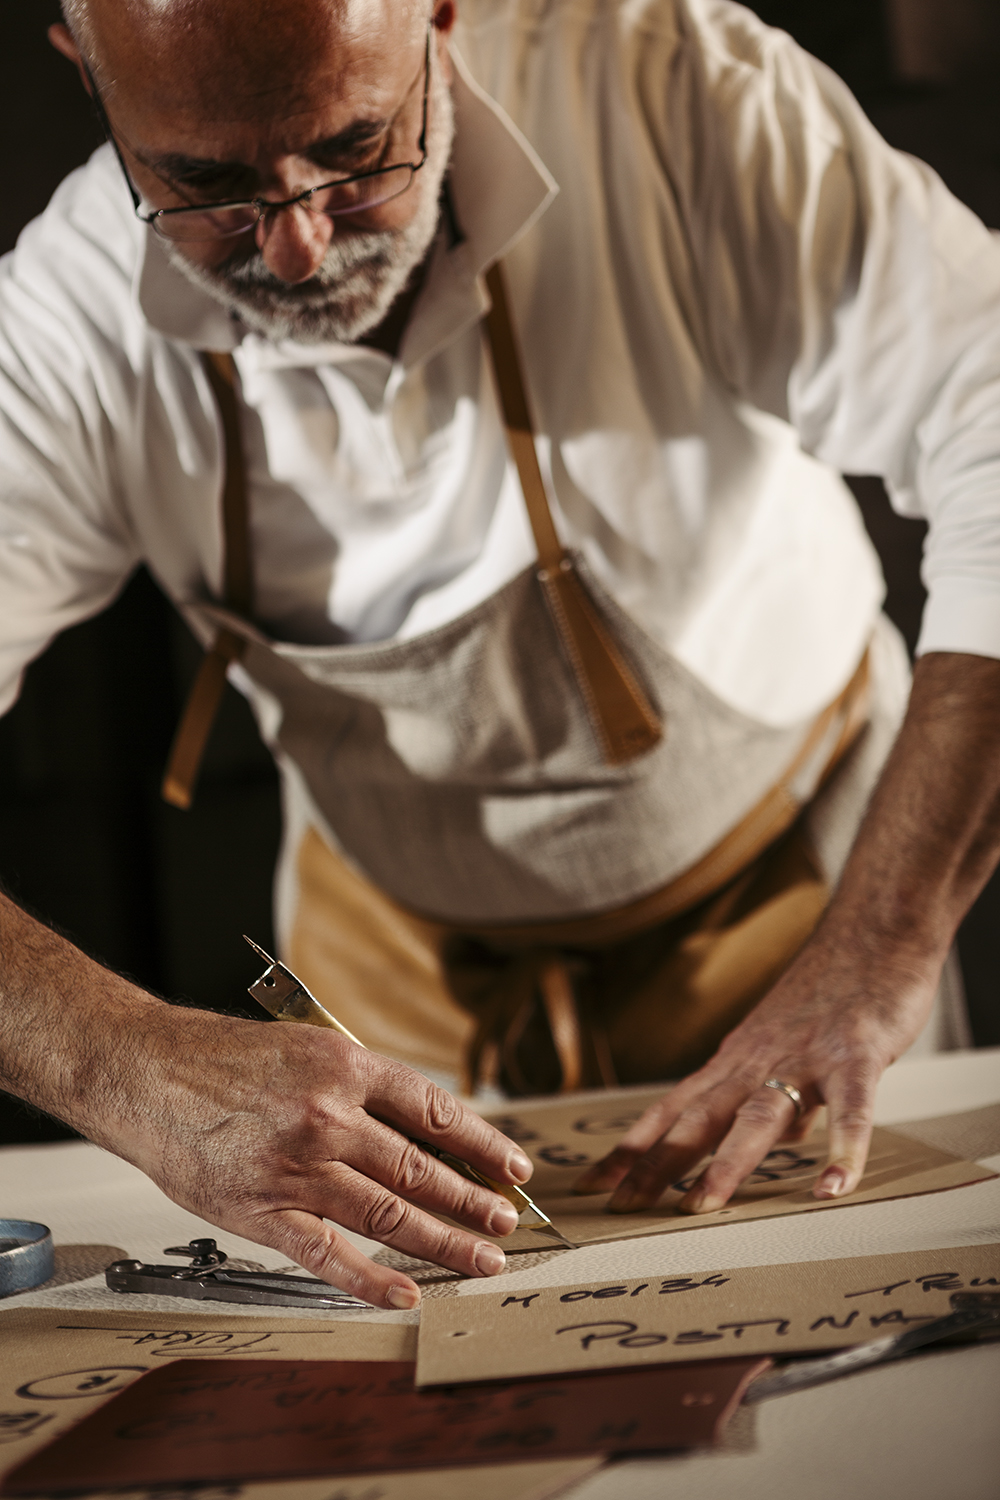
[[206, 1279], [286, 998], [972, 1312], [27, 1257]]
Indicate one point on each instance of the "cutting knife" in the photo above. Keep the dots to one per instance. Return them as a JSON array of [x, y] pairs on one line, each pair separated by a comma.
[[287, 999]]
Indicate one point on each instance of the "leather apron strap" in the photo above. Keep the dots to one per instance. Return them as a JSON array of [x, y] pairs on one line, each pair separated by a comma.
[[203, 701], [623, 720]]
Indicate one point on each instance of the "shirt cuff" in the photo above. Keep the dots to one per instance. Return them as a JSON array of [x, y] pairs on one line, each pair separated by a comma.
[[962, 614]]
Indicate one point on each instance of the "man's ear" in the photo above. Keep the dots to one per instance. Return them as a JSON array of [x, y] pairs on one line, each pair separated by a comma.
[[445, 16], [63, 41], [443, 20]]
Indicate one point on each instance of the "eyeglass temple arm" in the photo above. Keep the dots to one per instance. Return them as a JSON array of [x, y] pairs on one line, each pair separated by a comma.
[[422, 143], [105, 123]]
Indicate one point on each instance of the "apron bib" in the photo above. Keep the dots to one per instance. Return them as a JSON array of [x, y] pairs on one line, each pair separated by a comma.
[[461, 773]]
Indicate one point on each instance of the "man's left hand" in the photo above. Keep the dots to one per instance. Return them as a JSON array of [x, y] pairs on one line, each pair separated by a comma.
[[828, 1029], [861, 990]]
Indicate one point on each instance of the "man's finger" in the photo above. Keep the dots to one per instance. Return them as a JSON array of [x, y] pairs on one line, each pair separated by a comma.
[[689, 1139], [761, 1121], [324, 1253], [383, 1155], [425, 1112], [850, 1102], [803, 1125], [604, 1176], [379, 1214]]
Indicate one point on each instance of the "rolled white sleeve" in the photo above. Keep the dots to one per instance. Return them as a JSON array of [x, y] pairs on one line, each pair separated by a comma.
[[66, 545], [846, 290]]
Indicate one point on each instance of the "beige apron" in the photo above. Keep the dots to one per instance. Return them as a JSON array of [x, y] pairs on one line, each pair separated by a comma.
[[535, 779]]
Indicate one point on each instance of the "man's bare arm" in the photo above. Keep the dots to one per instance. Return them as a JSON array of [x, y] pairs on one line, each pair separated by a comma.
[[263, 1129], [861, 989]]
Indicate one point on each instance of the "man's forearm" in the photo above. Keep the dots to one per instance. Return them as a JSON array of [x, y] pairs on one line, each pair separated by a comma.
[[267, 1131], [931, 836], [68, 1027]]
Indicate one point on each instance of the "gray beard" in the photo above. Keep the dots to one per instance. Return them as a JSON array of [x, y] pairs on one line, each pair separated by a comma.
[[361, 274]]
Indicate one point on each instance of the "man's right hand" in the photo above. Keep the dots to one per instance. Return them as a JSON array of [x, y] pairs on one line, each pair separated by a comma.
[[265, 1130]]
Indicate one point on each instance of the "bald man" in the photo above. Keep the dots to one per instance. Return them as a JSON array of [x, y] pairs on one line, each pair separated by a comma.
[[725, 288]]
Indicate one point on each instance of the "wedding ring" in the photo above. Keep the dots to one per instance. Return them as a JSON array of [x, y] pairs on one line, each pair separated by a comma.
[[789, 1089]]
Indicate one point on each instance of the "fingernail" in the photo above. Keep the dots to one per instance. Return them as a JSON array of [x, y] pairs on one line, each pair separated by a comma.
[[700, 1202], [489, 1260], [831, 1184], [626, 1203], [406, 1298], [518, 1166], [503, 1219]]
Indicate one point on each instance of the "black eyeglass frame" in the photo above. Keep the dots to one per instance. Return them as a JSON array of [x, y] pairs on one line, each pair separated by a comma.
[[263, 205]]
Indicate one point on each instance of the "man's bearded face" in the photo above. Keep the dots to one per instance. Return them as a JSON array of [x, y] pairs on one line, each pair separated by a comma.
[[362, 272], [213, 101]]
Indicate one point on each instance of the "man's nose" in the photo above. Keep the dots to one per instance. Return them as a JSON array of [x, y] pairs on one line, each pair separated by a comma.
[[293, 242]]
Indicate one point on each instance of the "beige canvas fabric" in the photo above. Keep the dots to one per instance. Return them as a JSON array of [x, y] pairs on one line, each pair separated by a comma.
[[460, 773]]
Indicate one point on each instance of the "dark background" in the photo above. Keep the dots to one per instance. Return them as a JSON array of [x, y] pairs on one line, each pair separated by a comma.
[[163, 896]]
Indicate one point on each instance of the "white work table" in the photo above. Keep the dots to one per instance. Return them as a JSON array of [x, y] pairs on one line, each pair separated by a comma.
[[927, 1428]]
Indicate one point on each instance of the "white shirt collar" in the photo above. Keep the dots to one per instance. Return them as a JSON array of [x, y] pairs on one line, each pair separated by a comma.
[[499, 189]]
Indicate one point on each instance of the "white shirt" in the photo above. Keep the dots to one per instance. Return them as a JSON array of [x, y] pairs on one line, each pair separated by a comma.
[[727, 288]]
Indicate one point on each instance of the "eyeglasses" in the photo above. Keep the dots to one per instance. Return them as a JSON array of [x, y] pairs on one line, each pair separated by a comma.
[[218, 221]]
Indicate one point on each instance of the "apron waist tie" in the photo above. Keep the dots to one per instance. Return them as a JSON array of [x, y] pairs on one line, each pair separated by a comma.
[[507, 1010]]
